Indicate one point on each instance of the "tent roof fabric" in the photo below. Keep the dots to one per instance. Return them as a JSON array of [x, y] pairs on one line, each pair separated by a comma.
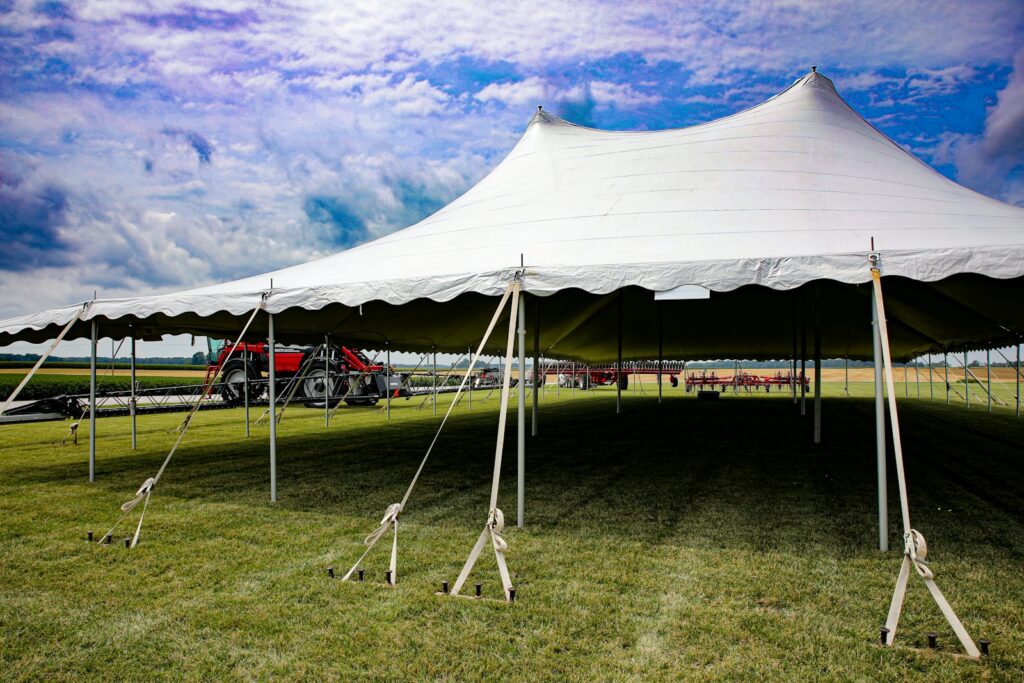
[[789, 192]]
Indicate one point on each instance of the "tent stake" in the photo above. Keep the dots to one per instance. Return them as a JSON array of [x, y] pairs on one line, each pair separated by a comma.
[[132, 402], [883, 492], [521, 419], [92, 400], [273, 410]]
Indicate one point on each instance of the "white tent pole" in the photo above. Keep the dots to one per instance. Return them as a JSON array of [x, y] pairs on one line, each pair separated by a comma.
[[917, 376], [132, 401], [92, 400], [469, 380], [327, 381], [1018, 379], [521, 419], [433, 378], [245, 387], [618, 364], [537, 373], [803, 359], [988, 376], [792, 374], [906, 381], [846, 375], [945, 368], [387, 380], [272, 388], [817, 365], [661, 349], [967, 382], [931, 380], [883, 493]]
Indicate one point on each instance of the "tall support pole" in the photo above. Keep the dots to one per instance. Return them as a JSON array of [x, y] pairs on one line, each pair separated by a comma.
[[817, 366], [1018, 379], [327, 381], [931, 381], [945, 369], [618, 364], [803, 360], [245, 387], [272, 390], [133, 401], [433, 376], [387, 380], [469, 380], [906, 382], [988, 376], [538, 376], [521, 419], [967, 382], [846, 375], [883, 494], [917, 377], [661, 346], [92, 400], [792, 373]]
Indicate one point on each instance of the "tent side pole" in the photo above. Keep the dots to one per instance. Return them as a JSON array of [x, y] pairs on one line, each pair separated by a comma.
[[846, 375], [245, 387], [1018, 379], [661, 345], [132, 401], [792, 373], [433, 378], [803, 361], [988, 376], [387, 381], [917, 376], [817, 366], [883, 494], [272, 389], [521, 419], [618, 364], [931, 380], [92, 400], [327, 381], [538, 376], [967, 383], [945, 369], [469, 380]]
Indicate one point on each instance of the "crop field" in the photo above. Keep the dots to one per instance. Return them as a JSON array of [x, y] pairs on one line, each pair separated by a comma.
[[686, 541]]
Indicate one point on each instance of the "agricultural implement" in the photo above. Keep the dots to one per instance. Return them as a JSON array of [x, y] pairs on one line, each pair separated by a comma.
[[743, 381]]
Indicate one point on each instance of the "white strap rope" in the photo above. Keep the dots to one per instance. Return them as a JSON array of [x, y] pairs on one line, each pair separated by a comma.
[[42, 359], [444, 380], [915, 549], [390, 518], [495, 519], [147, 486]]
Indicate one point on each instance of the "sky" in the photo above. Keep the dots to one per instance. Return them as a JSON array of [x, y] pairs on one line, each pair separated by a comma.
[[155, 146]]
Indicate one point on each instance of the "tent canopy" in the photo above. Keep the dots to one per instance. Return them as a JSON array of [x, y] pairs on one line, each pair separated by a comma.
[[774, 210]]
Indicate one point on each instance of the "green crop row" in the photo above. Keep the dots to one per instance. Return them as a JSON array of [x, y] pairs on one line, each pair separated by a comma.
[[45, 386]]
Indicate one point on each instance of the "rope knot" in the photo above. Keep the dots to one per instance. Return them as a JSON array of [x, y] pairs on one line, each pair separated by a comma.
[[390, 517], [143, 491], [917, 549], [496, 524]]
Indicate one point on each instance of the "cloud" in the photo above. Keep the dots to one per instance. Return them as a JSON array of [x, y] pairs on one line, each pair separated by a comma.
[[203, 148], [32, 222]]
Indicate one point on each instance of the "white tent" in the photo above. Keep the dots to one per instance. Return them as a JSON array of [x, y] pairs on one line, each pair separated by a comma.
[[750, 207]]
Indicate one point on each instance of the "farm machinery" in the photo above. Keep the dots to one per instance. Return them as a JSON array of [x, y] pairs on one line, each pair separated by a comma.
[[743, 381], [584, 377], [335, 371]]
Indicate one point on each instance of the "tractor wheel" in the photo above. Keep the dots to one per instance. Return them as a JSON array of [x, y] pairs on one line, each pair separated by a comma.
[[674, 381], [232, 388], [316, 381]]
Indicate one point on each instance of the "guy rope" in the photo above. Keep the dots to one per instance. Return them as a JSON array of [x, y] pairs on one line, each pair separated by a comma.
[[144, 492], [915, 549], [389, 522]]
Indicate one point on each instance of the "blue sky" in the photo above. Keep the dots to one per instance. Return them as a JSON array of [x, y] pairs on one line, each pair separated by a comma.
[[152, 146]]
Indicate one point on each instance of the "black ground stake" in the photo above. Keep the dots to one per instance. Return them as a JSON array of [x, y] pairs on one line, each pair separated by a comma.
[[387, 577], [330, 572], [883, 635], [88, 536], [479, 590], [444, 587], [933, 640], [361, 574], [128, 542], [984, 647], [511, 594], [107, 539]]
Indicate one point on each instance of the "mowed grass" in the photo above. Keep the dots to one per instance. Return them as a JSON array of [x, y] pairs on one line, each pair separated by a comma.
[[687, 541]]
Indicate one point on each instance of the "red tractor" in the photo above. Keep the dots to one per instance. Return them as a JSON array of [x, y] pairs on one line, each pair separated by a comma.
[[317, 374]]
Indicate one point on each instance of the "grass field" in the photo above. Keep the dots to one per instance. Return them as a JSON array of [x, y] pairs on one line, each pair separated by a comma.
[[690, 541]]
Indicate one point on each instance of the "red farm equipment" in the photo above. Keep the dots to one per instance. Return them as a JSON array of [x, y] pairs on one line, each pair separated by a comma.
[[742, 381], [333, 373]]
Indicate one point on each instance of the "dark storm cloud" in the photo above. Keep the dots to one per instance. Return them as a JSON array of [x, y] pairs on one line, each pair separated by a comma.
[[31, 218]]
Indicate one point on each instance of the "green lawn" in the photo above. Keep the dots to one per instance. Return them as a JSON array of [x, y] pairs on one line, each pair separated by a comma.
[[690, 541]]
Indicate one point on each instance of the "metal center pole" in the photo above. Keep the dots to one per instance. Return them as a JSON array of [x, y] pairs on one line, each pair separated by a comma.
[[92, 401], [967, 382], [917, 377], [272, 388], [661, 345], [803, 363], [988, 374], [469, 378], [133, 401], [433, 378], [945, 369], [931, 381], [537, 374], [817, 365], [521, 418], [883, 494], [327, 381], [387, 381], [618, 365]]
